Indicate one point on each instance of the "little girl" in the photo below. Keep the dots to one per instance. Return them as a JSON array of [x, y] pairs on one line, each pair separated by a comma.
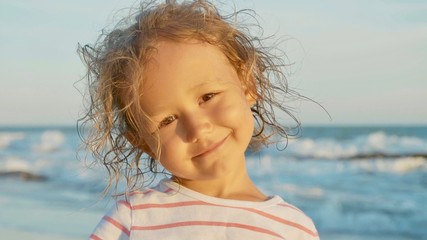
[[183, 87]]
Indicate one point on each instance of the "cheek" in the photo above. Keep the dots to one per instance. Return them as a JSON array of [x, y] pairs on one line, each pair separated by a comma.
[[151, 147], [170, 150], [158, 146], [234, 112], [161, 144]]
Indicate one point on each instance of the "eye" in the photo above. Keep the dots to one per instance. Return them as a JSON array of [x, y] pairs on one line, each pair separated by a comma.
[[167, 120], [207, 97]]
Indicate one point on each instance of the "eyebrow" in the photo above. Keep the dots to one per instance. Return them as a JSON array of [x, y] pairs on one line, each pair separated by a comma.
[[207, 83], [157, 112]]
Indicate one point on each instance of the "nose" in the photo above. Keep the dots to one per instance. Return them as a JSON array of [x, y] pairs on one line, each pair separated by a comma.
[[196, 125]]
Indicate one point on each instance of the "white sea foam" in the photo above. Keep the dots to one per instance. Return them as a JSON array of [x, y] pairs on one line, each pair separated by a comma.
[[49, 141], [408, 164], [374, 143], [17, 164], [6, 138], [322, 148], [380, 141], [399, 166], [12, 163]]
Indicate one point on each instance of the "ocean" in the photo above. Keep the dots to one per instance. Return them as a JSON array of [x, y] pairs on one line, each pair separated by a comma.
[[354, 182]]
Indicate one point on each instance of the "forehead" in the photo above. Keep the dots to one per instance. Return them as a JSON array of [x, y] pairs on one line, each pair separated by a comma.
[[169, 55], [180, 68]]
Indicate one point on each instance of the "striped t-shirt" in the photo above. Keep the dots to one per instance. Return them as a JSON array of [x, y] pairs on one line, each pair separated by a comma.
[[171, 211]]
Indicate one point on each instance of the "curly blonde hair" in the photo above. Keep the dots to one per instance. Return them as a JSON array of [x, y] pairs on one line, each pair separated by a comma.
[[114, 122]]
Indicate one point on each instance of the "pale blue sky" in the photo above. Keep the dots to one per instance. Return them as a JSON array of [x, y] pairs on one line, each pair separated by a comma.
[[364, 61]]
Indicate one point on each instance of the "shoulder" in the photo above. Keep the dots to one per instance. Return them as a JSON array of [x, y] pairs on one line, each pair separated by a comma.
[[118, 222], [298, 223]]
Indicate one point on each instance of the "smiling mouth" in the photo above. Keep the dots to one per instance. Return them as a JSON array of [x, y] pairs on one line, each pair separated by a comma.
[[212, 148]]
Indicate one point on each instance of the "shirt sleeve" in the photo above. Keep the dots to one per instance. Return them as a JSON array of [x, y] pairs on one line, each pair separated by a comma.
[[116, 224]]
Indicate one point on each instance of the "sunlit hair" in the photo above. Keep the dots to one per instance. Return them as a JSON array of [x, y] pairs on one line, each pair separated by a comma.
[[113, 126]]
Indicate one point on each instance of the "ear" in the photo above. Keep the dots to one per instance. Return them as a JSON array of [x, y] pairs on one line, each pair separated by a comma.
[[250, 93], [139, 143], [250, 97]]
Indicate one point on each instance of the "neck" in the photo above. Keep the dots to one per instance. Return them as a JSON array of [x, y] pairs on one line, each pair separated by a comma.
[[233, 186]]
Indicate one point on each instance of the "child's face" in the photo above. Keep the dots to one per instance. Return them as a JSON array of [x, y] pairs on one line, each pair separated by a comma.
[[203, 117]]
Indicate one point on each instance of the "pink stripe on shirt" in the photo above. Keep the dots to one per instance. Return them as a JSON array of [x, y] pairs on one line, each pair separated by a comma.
[[117, 224], [169, 205], [147, 191], [206, 223], [289, 206], [284, 221], [94, 237], [125, 203]]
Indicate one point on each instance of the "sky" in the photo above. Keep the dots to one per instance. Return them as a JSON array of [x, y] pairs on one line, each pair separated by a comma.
[[363, 61]]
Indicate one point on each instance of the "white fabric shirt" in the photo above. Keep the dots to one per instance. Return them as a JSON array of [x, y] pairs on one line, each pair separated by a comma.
[[171, 211]]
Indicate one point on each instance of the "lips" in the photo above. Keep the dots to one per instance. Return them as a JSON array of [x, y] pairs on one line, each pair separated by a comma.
[[211, 149]]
